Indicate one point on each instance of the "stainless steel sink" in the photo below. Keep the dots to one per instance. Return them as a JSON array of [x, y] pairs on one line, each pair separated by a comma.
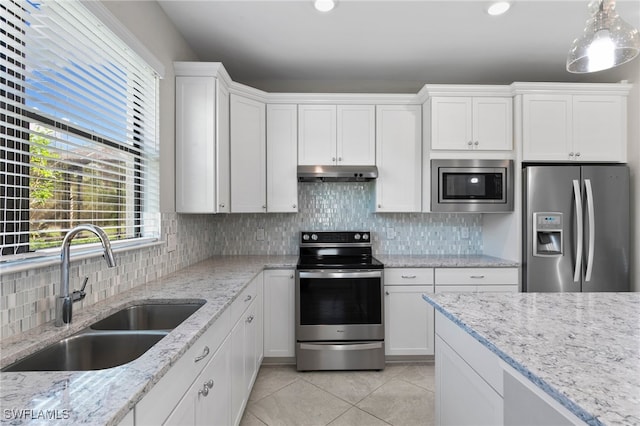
[[118, 339], [90, 350], [148, 316]]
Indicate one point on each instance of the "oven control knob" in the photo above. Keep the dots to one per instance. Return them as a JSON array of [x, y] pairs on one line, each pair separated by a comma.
[[305, 237], [356, 237], [314, 237], [365, 236]]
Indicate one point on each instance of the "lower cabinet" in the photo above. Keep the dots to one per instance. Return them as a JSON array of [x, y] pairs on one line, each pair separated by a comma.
[[244, 360], [279, 313], [208, 400]]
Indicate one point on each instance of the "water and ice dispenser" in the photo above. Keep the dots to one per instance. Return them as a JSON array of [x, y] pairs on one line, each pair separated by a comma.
[[547, 234]]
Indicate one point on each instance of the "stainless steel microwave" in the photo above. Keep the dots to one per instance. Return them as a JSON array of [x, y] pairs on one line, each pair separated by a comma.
[[477, 186]]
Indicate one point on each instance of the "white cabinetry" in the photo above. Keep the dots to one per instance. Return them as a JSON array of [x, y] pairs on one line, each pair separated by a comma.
[[279, 313], [465, 371], [409, 326], [476, 279], [202, 141], [248, 155], [208, 400], [399, 158], [336, 135], [282, 158], [583, 126]]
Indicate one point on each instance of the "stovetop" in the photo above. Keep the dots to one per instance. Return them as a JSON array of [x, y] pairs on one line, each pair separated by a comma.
[[337, 250]]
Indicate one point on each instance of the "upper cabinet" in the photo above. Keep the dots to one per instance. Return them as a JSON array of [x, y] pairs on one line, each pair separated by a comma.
[[282, 158], [336, 135], [399, 158], [471, 123], [248, 155], [574, 127], [202, 139]]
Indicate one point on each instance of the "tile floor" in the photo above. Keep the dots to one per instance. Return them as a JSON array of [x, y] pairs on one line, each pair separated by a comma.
[[400, 395]]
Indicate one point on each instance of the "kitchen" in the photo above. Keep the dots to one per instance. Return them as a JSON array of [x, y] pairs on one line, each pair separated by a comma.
[[198, 237]]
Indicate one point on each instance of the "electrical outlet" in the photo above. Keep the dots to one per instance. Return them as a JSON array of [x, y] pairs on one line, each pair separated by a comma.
[[391, 233], [464, 233], [260, 234], [172, 242]]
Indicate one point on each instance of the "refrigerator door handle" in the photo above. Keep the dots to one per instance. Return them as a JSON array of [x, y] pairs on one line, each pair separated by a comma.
[[592, 229], [577, 194]]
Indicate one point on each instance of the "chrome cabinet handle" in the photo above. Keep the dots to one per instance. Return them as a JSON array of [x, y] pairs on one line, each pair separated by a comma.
[[571, 154], [477, 276], [210, 383], [333, 158], [247, 298], [204, 391], [250, 319], [293, 205], [222, 205], [470, 143], [339, 158], [577, 154], [476, 143], [205, 353], [408, 277], [386, 292]]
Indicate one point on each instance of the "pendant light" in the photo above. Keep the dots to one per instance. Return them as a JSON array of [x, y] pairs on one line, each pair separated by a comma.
[[607, 42]]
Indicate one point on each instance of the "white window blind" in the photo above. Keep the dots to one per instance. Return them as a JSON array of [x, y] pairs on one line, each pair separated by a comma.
[[79, 128]]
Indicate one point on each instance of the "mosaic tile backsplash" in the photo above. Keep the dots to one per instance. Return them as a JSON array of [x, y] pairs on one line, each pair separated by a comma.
[[348, 206], [27, 298]]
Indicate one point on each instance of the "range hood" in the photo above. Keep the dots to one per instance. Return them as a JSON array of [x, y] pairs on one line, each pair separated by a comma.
[[337, 173]]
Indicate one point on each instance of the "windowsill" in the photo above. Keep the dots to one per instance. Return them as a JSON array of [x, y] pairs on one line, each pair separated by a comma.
[[77, 253]]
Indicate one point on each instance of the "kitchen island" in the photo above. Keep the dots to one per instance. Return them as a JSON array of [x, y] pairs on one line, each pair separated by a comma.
[[580, 351]]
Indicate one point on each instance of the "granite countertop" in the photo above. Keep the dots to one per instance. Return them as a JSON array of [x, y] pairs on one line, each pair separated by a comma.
[[583, 349], [444, 261], [105, 396]]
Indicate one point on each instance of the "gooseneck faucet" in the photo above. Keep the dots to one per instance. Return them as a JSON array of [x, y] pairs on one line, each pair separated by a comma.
[[65, 299]]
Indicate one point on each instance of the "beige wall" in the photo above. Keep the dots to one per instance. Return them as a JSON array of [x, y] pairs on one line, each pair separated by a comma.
[[149, 24]]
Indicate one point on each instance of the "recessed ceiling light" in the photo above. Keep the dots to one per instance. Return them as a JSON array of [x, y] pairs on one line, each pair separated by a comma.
[[498, 8], [324, 5]]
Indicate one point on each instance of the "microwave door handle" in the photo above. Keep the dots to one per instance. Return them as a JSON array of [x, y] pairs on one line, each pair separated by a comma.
[[577, 194], [592, 229]]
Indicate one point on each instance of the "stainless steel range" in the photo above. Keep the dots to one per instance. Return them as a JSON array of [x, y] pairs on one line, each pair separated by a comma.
[[339, 303]]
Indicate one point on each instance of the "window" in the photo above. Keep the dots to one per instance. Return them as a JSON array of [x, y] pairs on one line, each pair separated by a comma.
[[78, 129]]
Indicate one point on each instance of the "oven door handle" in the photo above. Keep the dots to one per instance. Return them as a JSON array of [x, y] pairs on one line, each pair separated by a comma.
[[335, 274], [341, 347]]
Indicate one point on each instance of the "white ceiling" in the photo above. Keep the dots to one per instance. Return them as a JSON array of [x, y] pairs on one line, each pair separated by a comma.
[[386, 46]]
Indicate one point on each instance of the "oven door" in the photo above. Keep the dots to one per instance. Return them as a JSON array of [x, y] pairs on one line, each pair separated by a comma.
[[339, 305]]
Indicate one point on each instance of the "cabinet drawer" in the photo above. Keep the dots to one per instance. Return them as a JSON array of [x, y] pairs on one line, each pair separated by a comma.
[[156, 406], [243, 301], [476, 276], [408, 276]]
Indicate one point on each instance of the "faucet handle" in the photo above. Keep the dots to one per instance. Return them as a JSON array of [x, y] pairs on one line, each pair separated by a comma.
[[80, 294]]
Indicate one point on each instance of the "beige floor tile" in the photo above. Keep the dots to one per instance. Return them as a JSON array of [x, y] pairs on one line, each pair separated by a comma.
[[352, 386], [299, 403], [400, 403], [419, 375], [249, 419], [357, 417], [271, 379]]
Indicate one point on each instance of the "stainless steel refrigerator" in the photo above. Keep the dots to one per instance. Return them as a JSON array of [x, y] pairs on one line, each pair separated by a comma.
[[576, 228]]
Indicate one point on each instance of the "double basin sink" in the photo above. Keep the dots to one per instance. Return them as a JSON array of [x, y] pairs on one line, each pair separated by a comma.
[[115, 340]]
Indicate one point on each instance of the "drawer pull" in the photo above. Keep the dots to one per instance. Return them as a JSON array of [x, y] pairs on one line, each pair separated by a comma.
[[477, 276], [250, 319], [408, 277], [386, 292], [205, 353], [247, 298]]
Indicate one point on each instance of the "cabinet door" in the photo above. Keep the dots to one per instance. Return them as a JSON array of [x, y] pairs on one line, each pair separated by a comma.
[[238, 397], [223, 146], [599, 128], [456, 381], [492, 123], [546, 125], [451, 123], [282, 158], [409, 326], [248, 155], [317, 135], [195, 145], [398, 157], [356, 138], [279, 313], [213, 406], [251, 324]]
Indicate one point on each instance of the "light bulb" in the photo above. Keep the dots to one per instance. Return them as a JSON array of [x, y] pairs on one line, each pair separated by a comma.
[[498, 8], [601, 52], [324, 5]]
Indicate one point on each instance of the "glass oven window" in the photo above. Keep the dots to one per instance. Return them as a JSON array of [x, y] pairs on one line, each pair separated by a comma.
[[472, 186], [334, 301]]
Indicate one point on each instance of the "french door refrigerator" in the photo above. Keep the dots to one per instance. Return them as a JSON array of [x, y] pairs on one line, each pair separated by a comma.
[[576, 228]]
